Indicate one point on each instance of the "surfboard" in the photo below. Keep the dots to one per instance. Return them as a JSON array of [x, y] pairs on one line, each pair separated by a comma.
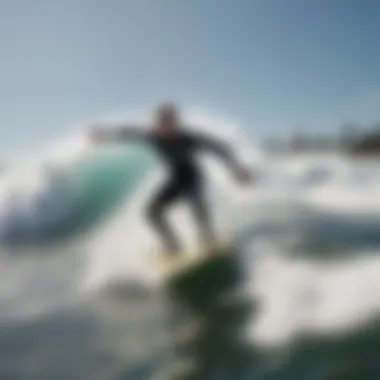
[[186, 261]]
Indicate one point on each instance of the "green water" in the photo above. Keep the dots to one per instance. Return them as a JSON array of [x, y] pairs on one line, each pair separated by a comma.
[[100, 185]]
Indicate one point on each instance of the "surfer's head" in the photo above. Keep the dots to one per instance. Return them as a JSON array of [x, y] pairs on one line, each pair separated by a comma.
[[167, 119]]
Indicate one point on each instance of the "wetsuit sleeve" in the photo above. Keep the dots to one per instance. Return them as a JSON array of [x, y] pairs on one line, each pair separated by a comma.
[[219, 148]]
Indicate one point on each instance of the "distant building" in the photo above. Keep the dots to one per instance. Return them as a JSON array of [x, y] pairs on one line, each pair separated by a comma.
[[301, 142], [368, 144], [350, 139], [349, 135]]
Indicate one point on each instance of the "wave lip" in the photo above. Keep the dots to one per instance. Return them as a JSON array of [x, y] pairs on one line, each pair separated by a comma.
[[71, 199]]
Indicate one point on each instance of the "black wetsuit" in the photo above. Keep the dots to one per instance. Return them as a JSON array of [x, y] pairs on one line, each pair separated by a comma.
[[185, 178]]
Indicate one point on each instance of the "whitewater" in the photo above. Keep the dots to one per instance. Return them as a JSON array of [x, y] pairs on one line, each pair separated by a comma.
[[72, 226]]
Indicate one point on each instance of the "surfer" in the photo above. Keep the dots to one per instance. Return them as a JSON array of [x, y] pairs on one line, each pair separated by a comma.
[[177, 146]]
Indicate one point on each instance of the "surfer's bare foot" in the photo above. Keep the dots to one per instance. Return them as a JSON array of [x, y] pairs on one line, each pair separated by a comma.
[[171, 256], [167, 257], [215, 249], [211, 250]]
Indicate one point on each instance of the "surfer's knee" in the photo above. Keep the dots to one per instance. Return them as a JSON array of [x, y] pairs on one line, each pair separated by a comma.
[[154, 213]]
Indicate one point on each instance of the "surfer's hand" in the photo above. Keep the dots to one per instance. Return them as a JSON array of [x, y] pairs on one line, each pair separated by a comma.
[[97, 134], [244, 176]]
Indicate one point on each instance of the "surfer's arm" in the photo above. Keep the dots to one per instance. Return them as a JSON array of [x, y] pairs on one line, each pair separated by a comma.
[[121, 133], [223, 151]]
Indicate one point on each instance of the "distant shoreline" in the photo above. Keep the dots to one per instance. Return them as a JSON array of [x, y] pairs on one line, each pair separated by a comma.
[[365, 144]]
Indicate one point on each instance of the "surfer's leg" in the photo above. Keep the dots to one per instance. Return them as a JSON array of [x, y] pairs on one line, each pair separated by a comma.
[[167, 195], [201, 212]]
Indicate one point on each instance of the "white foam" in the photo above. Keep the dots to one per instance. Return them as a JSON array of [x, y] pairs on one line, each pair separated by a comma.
[[298, 296]]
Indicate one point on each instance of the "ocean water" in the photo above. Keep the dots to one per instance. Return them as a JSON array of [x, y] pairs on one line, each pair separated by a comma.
[[80, 293]]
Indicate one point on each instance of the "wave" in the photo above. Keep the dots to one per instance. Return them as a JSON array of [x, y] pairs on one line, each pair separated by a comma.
[[72, 201], [103, 192]]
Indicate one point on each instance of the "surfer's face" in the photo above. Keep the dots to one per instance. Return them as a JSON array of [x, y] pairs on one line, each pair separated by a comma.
[[167, 122]]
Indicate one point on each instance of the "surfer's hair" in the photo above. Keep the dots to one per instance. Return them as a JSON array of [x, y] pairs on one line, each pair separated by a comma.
[[167, 109]]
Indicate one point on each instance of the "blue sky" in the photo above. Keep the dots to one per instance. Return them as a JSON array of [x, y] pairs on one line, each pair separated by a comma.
[[270, 64]]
